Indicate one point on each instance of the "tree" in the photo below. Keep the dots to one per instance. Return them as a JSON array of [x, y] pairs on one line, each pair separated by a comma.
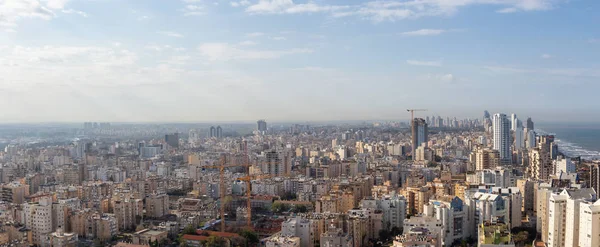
[[384, 235], [190, 229], [300, 209], [521, 238], [289, 196], [214, 241], [250, 236], [278, 207]]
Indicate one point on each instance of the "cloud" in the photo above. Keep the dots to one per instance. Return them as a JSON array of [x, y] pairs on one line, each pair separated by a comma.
[[193, 10], [227, 52], [566, 72], [378, 11], [248, 43], [278, 38], [289, 7], [170, 34], [546, 56], [447, 78], [507, 10], [593, 41], [72, 11], [240, 3], [425, 32], [424, 63], [255, 34]]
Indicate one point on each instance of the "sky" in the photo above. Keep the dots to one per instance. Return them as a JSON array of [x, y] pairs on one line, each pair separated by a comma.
[[295, 60]]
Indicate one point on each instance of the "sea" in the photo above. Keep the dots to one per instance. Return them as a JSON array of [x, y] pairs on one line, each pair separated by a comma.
[[575, 140]]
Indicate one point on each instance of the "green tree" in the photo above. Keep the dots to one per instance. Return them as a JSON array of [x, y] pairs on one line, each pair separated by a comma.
[[278, 207], [214, 241], [250, 236], [300, 209], [190, 229]]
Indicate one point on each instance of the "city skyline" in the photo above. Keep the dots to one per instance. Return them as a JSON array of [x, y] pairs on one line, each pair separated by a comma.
[[191, 60]]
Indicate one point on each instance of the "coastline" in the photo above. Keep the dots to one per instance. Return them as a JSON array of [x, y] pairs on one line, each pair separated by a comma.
[[571, 148]]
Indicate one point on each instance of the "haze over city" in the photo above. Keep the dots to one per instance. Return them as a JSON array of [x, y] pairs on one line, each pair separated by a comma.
[[284, 60]]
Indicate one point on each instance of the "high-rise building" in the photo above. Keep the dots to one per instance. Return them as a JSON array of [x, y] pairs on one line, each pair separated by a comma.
[[595, 176], [529, 124], [419, 133], [530, 138], [219, 132], [501, 131], [519, 138], [212, 132], [513, 121], [261, 125], [172, 140]]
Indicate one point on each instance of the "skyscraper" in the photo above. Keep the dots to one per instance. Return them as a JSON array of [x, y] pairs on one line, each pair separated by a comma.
[[261, 125], [529, 124], [419, 133], [172, 140], [219, 132], [513, 121], [519, 138], [212, 132], [501, 129]]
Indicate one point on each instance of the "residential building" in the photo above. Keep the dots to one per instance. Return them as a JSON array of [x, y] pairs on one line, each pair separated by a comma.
[[501, 134]]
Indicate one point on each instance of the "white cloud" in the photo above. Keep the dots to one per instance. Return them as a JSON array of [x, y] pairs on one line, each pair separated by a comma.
[[227, 52], [278, 38], [240, 3], [396, 10], [289, 7], [72, 11], [546, 56], [425, 32], [424, 63], [566, 72], [170, 34], [193, 10], [592, 41], [248, 43], [255, 34], [507, 10]]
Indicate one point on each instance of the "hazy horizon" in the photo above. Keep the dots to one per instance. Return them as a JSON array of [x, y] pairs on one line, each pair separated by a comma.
[[285, 60]]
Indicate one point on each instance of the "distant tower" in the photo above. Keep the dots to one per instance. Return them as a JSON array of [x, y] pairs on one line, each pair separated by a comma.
[[513, 121], [529, 124], [219, 132], [501, 130], [419, 133], [172, 140], [261, 125], [212, 132]]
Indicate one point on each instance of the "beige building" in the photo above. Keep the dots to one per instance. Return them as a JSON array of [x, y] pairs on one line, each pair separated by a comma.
[[62, 239], [157, 205], [38, 218], [126, 211], [14, 193], [148, 236], [486, 159]]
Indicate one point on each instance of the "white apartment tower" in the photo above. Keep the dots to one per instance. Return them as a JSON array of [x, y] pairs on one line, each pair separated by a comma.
[[513, 121], [589, 224], [501, 130]]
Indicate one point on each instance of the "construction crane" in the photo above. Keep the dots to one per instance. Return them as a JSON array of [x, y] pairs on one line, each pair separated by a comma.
[[222, 185], [248, 180], [412, 113]]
